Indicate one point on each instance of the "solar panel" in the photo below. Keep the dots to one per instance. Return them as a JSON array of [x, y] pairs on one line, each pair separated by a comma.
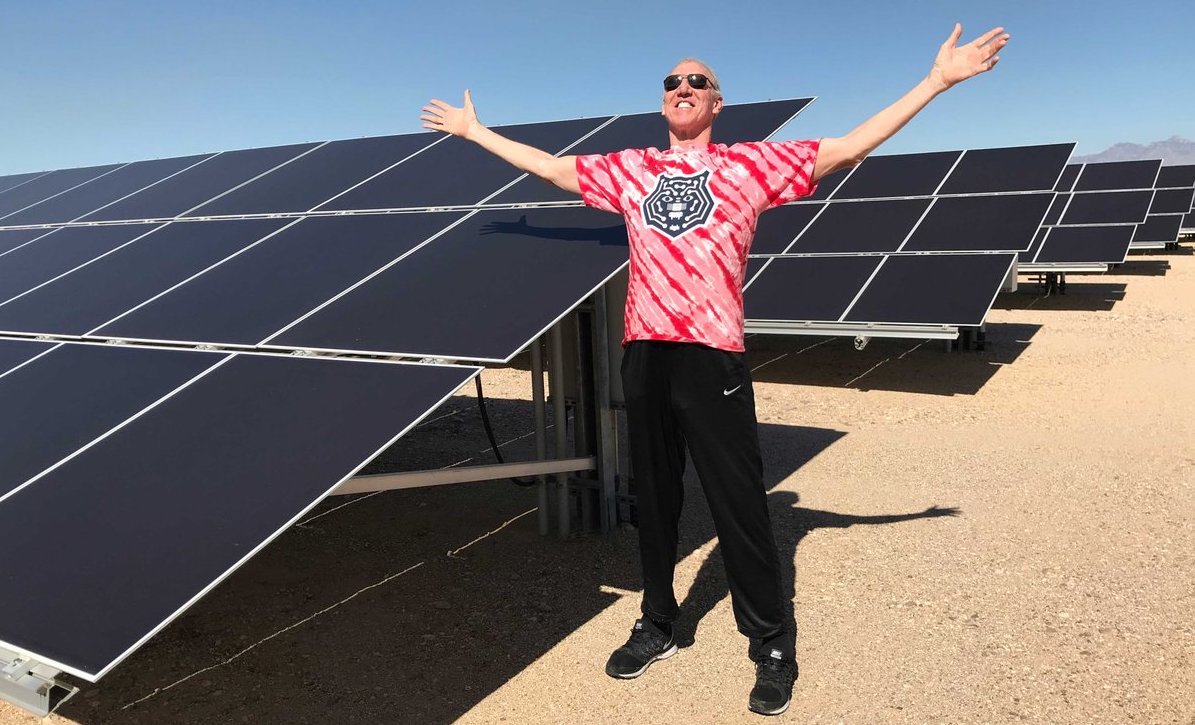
[[159, 518], [1027, 256], [955, 289], [14, 180], [456, 172], [1066, 181], [778, 226], [1176, 177], [828, 184], [420, 308], [17, 352], [1054, 214], [1019, 168], [100, 192], [738, 122], [980, 223], [316, 177], [10, 239], [51, 255], [861, 226], [1159, 228], [262, 290], [807, 288], [897, 175], [1086, 245], [1172, 201], [1118, 175], [87, 297], [199, 184], [49, 185], [1108, 207]]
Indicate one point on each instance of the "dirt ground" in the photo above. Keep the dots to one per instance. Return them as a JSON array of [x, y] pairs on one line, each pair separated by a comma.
[[994, 536]]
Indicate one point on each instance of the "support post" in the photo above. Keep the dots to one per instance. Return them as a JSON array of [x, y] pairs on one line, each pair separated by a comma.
[[541, 451], [556, 383], [607, 434]]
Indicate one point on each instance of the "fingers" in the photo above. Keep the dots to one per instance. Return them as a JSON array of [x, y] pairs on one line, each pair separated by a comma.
[[954, 36], [983, 39]]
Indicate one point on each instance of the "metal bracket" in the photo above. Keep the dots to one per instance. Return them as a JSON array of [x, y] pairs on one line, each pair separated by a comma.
[[32, 685]]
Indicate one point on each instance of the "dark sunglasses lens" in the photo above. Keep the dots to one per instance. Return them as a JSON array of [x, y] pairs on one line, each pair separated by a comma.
[[698, 81], [671, 83]]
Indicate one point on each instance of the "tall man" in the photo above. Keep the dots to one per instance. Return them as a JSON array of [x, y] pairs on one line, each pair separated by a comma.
[[683, 371]]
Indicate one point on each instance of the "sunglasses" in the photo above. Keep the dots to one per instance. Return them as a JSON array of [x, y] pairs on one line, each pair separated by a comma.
[[697, 81]]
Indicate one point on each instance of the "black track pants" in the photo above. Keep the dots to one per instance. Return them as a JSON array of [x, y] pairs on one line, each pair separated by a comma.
[[678, 394]]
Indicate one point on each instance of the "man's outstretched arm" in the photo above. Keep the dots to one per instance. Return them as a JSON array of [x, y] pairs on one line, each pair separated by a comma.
[[558, 170], [953, 64]]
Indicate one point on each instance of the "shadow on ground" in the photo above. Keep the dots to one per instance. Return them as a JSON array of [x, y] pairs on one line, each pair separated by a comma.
[[915, 366], [1080, 295], [397, 607]]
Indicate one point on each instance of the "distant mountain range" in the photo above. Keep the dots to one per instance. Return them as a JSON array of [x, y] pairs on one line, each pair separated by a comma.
[[1174, 150]]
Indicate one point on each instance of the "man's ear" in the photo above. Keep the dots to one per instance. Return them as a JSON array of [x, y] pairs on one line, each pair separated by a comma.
[[663, 105], [717, 105]]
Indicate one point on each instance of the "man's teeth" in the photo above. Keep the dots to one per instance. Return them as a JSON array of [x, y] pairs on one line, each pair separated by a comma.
[[684, 104]]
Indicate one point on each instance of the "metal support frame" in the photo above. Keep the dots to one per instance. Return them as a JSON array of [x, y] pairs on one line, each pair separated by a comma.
[[31, 685], [853, 329], [468, 474], [1038, 268], [607, 432], [541, 450], [556, 383]]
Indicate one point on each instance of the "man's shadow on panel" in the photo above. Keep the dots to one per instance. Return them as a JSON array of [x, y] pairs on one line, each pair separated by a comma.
[[605, 235], [790, 524]]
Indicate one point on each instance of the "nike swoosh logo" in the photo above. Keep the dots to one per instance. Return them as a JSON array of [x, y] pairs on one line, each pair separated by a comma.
[[728, 392]]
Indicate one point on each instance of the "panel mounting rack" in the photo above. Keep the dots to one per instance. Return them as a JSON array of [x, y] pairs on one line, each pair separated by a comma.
[[31, 684]]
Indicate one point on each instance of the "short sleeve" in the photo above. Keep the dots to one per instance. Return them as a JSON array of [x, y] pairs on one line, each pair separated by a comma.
[[788, 169], [599, 183]]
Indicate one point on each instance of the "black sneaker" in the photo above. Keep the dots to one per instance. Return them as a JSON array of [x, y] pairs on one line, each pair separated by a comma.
[[647, 644], [774, 677]]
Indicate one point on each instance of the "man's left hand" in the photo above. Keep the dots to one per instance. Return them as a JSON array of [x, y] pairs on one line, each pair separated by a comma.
[[956, 63]]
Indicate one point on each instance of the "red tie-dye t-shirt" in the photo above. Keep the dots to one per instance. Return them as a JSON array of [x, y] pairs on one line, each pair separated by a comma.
[[690, 215]]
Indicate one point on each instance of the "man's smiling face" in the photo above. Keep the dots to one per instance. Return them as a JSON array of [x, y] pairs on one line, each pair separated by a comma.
[[690, 111]]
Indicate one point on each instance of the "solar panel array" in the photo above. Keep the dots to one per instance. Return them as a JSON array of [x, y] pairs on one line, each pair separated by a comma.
[[159, 470], [1105, 209], [909, 239]]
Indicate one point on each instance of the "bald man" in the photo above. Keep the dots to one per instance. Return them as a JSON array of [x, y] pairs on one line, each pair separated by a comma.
[[690, 212]]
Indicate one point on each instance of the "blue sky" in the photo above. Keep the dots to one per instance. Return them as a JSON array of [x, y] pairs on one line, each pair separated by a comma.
[[99, 82]]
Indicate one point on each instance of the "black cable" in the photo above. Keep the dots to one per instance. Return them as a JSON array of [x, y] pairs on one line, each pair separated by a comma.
[[489, 432]]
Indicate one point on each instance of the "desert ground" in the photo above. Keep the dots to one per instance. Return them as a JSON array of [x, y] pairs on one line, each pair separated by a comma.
[[1002, 535]]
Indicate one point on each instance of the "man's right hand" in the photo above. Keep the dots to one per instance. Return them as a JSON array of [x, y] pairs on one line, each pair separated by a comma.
[[440, 116]]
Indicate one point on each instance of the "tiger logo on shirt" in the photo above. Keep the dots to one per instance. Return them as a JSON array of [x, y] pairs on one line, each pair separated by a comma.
[[679, 203]]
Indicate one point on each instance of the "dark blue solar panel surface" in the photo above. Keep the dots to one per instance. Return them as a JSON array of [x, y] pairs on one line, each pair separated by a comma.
[[1112, 207], [1066, 181], [100, 192], [16, 352], [14, 180], [1021, 168], [462, 296], [257, 293], [97, 293], [1096, 245], [807, 288], [12, 238], [456, 172], [980, 223], [1172, 201], [946, 289], [897, 175], [1118, 175], [1163, 228], [740, 122], [863, 226], [316, 177], [197, 473], [199, 184], [24, 268], [49, 185], [71, 395], [1054, 214], [828, 184], [1028, 255], [1176, 177], [777, 227]]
